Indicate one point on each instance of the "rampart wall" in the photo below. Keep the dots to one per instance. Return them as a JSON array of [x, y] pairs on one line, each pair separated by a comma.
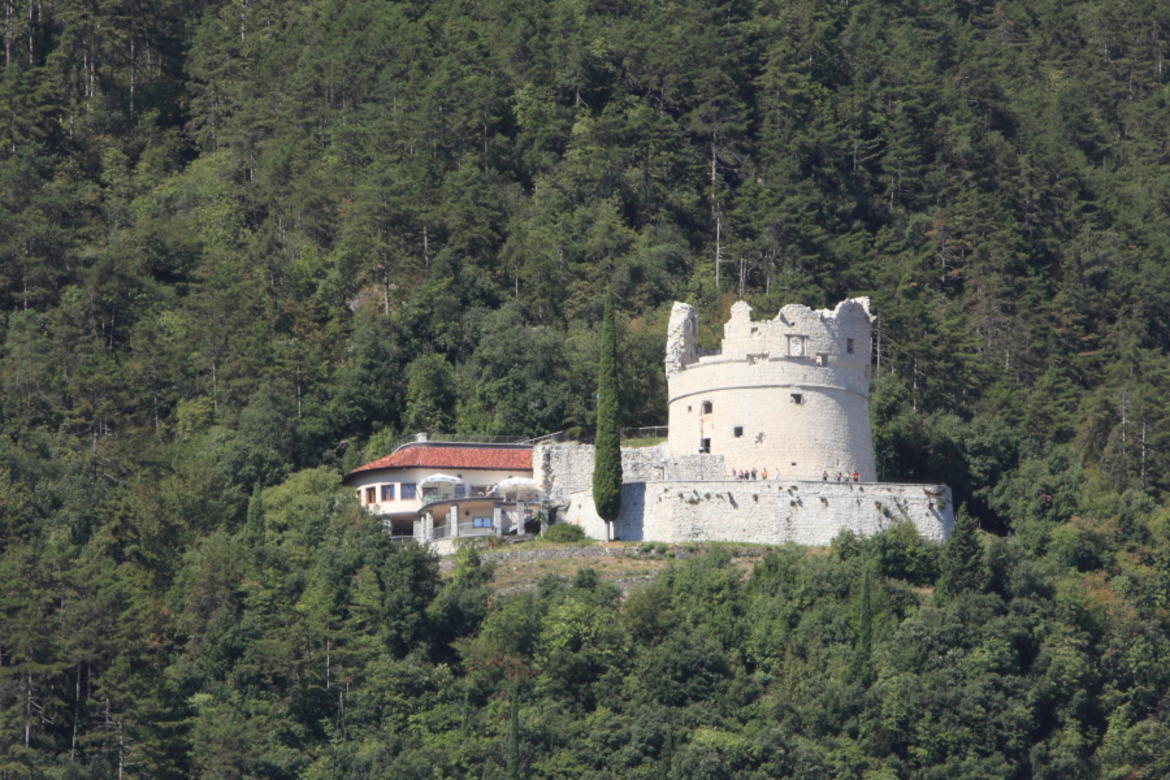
[[563, 469], [765, 512]]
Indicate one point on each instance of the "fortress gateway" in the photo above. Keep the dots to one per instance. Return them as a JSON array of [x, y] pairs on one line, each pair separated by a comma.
[[786, 397]]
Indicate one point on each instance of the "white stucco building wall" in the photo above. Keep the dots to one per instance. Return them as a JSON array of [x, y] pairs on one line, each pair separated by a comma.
[[475, 481]]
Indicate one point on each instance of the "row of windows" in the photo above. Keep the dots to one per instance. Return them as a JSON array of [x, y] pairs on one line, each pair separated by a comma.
[[708, 407], [796, 398], [407, 491]]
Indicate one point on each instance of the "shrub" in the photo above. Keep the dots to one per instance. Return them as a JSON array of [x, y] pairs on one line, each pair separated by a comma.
[[564, 532]]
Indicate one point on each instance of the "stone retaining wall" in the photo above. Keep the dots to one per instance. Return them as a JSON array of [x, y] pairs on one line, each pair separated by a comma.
[[765, 512]]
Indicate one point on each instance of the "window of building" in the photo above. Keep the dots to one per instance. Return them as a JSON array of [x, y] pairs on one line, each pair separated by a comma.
[[460, 491], [849, 346], [704, 445], [796, 346], [388, 492], [481, 522], [798, 398], [408, 490], [737, 431], [707, 407], [822, 358], [371, 494]]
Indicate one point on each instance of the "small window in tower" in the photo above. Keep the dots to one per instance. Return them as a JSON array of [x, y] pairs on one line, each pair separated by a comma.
[[737, 431], [704, 445], [849, 346], [798, 398], [707, 407], [822, 358], [688, 409], [796, 346]]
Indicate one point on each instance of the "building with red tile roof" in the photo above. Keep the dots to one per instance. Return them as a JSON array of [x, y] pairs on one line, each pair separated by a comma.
[[452, 455], [448, 477]]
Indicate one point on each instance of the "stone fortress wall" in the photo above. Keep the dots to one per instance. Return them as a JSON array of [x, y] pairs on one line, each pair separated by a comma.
[[682, 491], [561, 470], [759, 512], [790, 394], [689, 498]]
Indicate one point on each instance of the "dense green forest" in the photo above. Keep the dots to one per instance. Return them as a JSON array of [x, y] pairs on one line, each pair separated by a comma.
[[246, 244]]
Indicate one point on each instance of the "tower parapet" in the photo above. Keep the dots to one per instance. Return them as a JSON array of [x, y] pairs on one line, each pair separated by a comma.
[[789, 394]]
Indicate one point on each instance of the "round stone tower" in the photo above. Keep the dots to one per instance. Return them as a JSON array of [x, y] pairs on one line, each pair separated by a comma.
[[790, 394]]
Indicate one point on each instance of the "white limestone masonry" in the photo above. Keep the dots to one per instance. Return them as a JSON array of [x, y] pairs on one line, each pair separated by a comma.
[[566, 468], [776, 512]]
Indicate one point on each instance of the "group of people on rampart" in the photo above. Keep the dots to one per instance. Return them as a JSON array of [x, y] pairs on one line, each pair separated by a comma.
[[750, 474], [753, 474]]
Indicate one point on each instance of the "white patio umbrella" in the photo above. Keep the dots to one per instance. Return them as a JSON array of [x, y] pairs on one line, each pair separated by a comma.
[[517, 484], [440, 479]]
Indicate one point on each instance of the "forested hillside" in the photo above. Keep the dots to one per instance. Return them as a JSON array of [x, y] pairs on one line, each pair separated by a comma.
[[246, 245]]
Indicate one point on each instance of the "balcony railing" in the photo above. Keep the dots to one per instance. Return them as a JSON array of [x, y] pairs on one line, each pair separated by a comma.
[[648, 432], [467, 528]]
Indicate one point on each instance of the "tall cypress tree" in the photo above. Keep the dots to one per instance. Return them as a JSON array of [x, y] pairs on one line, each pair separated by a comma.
[[607, 467]]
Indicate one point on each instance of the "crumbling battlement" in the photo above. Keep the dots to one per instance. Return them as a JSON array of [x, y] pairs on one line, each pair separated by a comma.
[[797, 334], [682, 338]]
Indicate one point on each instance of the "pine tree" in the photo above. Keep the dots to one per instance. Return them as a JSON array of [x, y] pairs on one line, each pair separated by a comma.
[[962, 561], [607, 468]]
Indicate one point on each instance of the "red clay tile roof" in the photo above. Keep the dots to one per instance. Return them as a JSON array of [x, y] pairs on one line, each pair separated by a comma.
[[446, 456]]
